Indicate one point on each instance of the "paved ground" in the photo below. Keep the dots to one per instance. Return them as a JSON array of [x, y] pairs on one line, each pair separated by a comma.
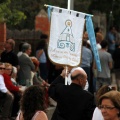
[[50, 111]]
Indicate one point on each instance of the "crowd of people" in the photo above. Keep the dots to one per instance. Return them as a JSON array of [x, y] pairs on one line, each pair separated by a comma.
[[27, 82], [18, 72]]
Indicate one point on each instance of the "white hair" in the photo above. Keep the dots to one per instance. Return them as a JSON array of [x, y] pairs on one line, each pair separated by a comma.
[[76, 68]]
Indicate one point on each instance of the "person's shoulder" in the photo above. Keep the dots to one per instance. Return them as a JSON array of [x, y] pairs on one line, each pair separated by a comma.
[[22, 56], [13, 53], [104, 53], [87, 93], [1, 76], [4, 52], [88, 50], [97, 114], [4, 75], [97, 110], [41, 116], [108, 54]]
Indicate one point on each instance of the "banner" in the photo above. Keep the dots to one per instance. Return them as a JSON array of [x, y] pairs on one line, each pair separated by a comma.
[[66, 33], [91, 34]]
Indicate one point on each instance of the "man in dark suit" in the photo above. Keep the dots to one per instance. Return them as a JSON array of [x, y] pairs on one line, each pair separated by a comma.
[[73, 103]]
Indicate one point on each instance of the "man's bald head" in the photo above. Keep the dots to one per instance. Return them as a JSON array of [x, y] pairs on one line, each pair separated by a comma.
[[79, 76], [78, 70]]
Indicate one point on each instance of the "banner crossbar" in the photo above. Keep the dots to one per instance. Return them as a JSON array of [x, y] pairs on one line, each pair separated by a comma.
[[68, 10]]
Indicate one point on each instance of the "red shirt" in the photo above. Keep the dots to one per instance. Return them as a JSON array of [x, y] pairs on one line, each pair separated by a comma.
[[9, 84]]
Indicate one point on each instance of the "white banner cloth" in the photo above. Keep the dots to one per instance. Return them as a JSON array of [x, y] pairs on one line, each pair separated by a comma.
[[66, 33]]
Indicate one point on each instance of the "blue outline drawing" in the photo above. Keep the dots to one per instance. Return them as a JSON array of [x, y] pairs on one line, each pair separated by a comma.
[[66, 39]]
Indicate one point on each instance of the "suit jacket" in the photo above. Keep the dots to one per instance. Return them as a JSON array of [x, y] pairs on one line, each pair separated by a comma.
[[9, 57], [73, 103], [26, 66]]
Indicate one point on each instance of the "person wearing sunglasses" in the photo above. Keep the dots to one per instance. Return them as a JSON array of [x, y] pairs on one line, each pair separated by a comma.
[[97, 115], [109, 104], [6, 98], [15, 90]]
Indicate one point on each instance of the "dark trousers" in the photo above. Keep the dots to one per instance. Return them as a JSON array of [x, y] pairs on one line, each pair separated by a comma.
[[43, 71], [6, 102], [16, 105]]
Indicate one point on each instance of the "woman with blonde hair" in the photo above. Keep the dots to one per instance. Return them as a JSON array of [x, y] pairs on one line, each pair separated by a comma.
[[15, 90]]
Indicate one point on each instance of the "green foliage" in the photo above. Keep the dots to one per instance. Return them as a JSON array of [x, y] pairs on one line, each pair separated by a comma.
[[10, 15], [2, 1], [106, 6], [4, 11], [20, 14], [30, 8], [16, 17]]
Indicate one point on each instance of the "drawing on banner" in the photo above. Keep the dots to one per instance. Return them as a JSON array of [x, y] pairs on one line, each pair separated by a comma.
[[66, 38]]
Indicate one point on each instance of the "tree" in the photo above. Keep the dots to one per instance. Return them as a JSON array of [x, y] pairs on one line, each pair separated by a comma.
[[21, 13], [4, 10], [111, 8], [31, 8], [10, 15]]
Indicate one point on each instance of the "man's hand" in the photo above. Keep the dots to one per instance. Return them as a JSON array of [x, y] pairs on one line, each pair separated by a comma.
[[65, 72]]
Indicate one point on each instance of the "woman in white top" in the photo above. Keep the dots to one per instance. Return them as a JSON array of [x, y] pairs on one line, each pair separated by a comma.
[[109, 104], [6, 98], [3, 88], [97, 115], [32, 104]]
